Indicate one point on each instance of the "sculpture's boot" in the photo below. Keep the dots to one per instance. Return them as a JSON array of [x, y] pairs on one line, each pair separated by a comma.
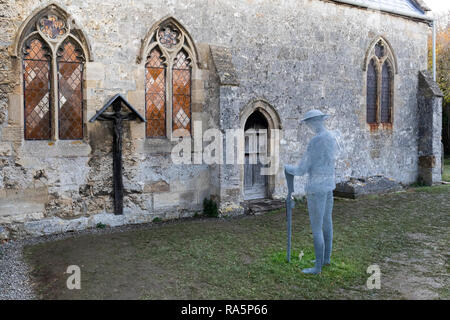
[[318, 249], [325, 264]]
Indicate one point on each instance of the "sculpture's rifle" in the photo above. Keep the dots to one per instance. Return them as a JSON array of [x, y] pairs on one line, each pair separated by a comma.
[[289, 206]]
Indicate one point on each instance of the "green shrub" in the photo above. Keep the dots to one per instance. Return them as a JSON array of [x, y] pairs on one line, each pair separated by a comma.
[[418, 183], [101, 225], [157, 219], [210, 208]]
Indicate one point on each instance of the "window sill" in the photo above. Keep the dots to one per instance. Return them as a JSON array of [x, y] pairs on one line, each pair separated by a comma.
[[380, 126], [158, 145], [55, 149]]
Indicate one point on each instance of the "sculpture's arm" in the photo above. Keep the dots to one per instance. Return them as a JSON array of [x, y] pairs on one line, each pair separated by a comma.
[[299, 169], [305, 162]]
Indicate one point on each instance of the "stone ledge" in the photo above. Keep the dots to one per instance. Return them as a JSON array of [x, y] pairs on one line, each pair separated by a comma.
[[55, 149], [55, 225], [260, 206], [356, 187], [427, 86], [224, 66]]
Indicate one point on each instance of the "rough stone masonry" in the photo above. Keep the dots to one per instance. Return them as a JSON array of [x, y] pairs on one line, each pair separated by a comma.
[[281, 58]]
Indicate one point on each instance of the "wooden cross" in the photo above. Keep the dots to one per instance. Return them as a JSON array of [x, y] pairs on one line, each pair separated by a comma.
[[117, 117]]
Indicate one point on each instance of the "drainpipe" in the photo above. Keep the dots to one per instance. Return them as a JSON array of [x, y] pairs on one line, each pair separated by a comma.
[[434, 49]]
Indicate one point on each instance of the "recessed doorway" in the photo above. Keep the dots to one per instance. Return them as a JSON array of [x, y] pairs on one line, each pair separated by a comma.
[[255, 132]]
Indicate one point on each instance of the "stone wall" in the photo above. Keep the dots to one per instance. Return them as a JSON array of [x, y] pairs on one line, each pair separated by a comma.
[[294, 55], [429, 99]]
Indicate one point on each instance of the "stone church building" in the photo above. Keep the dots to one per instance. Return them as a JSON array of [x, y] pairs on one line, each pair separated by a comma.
[[199, 65]]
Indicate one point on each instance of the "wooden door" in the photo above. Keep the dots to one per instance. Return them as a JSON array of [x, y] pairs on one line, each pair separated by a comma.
[[255, 184]]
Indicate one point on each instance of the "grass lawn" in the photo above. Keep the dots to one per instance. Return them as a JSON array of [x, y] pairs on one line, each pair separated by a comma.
[[446, 174], [407, 234]]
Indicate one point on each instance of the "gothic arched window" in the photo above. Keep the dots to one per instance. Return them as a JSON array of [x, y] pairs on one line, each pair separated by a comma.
[[371, 93], [52, 66], [380, 83], [168, 81]]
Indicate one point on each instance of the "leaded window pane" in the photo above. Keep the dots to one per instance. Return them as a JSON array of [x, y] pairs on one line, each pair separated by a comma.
[[36, 79], [52, 26], [181, 83], [379, 49], [386, 94], [168, 37], [155, 95], [70, 79], [371, 93]]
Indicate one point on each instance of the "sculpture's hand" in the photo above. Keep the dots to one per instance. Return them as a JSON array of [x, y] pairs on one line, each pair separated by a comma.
[[290, 169], [292, 201]]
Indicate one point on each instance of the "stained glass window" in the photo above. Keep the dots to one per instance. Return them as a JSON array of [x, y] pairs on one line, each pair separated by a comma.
[[386, 94], [70, 79], [379, 49], [168, 81], [155, 94], [168, 37], [181, 79], [52, 26], [380, 82], [371, 93], [36, 79], [52, 77]]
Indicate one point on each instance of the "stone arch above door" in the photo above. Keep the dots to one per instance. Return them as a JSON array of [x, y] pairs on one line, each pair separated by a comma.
[[265, 108]]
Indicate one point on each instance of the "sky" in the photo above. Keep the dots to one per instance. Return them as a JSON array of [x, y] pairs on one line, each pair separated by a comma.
[[438, 6]]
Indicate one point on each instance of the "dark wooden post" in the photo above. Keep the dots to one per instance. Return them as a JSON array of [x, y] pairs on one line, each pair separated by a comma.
[[117, 118], [117, 160]]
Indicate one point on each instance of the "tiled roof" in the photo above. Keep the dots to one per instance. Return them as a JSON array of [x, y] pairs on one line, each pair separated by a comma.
[[412, 7]]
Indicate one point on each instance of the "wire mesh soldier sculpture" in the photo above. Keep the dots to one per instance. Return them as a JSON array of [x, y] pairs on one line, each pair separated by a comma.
[[319, 163]]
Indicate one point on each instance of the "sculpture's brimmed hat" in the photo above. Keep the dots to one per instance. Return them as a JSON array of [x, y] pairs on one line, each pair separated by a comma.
[[315, 114]]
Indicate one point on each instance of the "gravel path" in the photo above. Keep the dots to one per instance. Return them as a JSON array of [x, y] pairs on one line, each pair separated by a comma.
[[14, 281]]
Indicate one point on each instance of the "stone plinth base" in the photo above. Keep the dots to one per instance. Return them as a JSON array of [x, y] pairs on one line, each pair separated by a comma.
[[356, 187]]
